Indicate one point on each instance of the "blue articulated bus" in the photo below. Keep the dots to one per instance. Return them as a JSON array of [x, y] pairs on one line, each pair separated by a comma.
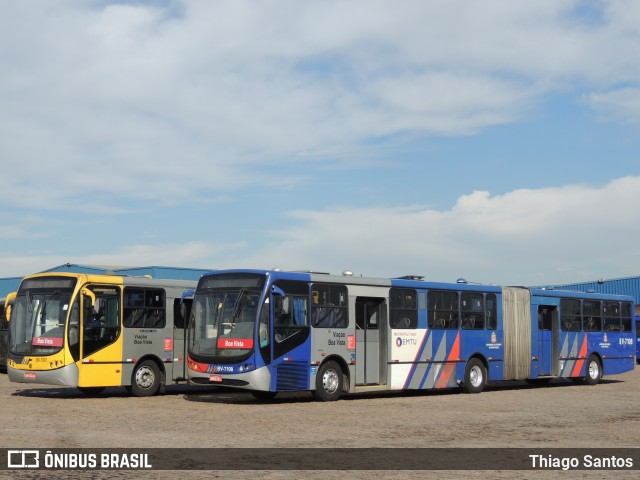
[[274, 331]]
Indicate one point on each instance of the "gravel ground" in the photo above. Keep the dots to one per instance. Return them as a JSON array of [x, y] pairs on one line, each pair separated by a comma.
[[515, 415]]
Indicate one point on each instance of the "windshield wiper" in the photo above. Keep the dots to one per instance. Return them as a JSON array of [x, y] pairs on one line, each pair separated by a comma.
[[237, 308]]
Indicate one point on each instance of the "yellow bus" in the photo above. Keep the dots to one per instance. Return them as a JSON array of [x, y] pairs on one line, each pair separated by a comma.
[[5, 313], [98, 331]]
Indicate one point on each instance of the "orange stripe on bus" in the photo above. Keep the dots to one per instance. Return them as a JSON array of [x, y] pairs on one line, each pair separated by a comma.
[[450, 366], [582, 356]]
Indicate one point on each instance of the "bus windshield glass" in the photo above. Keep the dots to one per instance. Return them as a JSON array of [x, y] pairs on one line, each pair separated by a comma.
[[224, 316], [39, 315]]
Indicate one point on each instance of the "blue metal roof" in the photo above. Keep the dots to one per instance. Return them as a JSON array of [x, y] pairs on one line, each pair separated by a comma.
[[8, 285], [620, 286]]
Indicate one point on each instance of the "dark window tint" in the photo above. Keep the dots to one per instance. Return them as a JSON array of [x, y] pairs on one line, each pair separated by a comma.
[[329, 306], [472, 311], [442, 309], [144, 308], [492, 311], [570, 318], [591, 316], [101, 321], [611, 313], [625, 317], [403, 308]]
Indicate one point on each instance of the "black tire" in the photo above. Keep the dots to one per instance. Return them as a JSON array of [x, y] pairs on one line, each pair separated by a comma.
[[475, 376], [261, 395], [146, 379], [593, 373], [91, 390], [328, 382]]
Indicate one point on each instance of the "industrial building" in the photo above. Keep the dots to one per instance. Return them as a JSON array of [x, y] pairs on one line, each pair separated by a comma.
[[620, 286]]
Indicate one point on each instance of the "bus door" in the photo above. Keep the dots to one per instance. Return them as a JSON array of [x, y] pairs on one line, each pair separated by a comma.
[[181, 314], [370, 341], [100, 338], [548, 339]]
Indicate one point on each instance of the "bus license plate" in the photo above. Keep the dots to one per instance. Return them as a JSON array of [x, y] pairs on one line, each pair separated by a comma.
[[215, 378]]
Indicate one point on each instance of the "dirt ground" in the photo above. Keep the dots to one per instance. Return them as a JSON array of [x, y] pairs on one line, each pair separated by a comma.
[[561, 414]]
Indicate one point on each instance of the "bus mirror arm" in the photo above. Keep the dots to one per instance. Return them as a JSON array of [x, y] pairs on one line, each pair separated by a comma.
[[277, 291], [92, 297]]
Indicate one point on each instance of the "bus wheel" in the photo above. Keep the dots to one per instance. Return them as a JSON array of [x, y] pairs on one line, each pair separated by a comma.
[[91, 390], [146, 379], [328, 382], [475, 376], [261, 395], [594, 371]]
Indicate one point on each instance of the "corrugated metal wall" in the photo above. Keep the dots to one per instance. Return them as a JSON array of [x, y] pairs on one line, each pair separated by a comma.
[[620, 286], [8, 285]]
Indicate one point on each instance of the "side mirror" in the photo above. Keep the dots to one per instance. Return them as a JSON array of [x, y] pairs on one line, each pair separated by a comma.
[[8, 303]]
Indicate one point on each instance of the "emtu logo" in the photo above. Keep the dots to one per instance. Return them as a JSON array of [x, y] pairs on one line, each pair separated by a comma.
[[405, 341]]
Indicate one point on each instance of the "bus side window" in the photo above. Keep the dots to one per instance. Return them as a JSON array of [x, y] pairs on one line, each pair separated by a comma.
[[544, 319], [442, 309], [491, 311], [611, 312], [591, 320], [625, 320], [74, 330], [472, 306], [403, 309], [329, 306], [570, 316]]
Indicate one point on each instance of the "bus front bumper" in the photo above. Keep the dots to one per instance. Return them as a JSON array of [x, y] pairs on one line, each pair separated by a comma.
[[65, 376]]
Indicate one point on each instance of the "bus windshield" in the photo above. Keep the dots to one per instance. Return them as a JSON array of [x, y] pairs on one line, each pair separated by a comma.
[[39, 315], [223, 320]]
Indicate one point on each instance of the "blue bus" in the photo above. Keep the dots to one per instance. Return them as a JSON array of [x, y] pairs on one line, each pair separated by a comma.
[[273, 331], [638, 338]]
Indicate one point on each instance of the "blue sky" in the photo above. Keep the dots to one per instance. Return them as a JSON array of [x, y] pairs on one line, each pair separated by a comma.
[[496, 141]]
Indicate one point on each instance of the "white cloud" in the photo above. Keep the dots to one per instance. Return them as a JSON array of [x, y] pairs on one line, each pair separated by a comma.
[[524, 237], [150, 101], [622, 105], [190, 254], [549, 235], [111, 109]]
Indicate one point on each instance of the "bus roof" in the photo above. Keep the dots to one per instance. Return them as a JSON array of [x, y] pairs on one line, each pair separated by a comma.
[[410, 282], [114, 279]]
